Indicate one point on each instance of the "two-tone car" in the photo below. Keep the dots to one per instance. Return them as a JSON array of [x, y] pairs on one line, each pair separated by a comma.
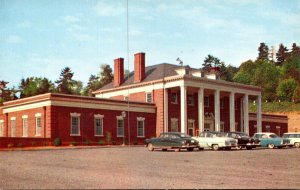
[[172, 140], [244, 140], [294, 138], [271, 140], [215, 140]]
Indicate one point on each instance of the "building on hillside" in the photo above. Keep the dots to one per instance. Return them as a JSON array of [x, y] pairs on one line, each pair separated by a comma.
[[154, 99], [189, 100]]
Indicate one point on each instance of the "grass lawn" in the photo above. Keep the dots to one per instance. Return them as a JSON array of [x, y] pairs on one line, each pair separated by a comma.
[[281, 107]]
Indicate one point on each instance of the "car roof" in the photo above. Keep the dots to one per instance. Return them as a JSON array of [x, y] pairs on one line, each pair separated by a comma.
[[265, 133], [236, 132], [292, 133], [175, 133]]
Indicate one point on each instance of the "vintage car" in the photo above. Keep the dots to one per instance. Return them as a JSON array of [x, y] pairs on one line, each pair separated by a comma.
[[244, 140], [172, 140], [293, 137], [271, 140], [215, 140]]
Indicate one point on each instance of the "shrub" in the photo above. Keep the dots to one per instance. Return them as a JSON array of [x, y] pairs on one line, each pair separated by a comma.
[[57, 141], [101, 142], [74, 143], [286, 88], [296, 95]]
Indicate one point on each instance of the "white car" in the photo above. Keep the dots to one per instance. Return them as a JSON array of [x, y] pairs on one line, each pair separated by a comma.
[[294, 138], [215, 140]]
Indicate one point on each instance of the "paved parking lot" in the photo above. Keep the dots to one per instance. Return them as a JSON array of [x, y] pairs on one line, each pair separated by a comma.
[[135, 167]]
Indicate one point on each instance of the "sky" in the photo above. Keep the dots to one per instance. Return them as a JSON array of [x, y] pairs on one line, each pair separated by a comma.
[[41, 37]]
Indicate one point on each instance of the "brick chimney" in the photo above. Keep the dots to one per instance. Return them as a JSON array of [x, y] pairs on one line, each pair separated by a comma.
[[118, 71], [139, 67]]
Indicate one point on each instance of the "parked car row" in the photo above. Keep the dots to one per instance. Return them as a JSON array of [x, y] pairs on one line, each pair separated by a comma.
[[221, 140]]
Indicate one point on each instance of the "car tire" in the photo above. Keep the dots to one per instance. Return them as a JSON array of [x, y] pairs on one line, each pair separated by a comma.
[[200, 148], [239, 147], [271, 146], [177, 149], [249, 148], [215, 147], [164, 149], [297, 145], [150, 147], [190, 149]]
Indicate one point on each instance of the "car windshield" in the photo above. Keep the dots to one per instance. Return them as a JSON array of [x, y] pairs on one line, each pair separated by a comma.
[[273, 136], [182, 135]]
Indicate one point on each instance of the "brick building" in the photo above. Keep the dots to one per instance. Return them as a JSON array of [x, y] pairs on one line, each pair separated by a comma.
[[154, 99]]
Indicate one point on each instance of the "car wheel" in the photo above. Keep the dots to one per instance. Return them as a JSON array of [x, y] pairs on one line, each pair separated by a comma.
[[190, 149], [228, 148], [150, 147], [249, 148], [215, 147], [200, 148], [177, 149], [297, 145], [164, 149], [271, 146], [239, 147]]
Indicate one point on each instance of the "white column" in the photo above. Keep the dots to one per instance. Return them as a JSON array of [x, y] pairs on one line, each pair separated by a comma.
[[232, 112], [246, 114], [183, 109], [258, 114], [242, 114], [166, 110], [201, 109], [217, 110]]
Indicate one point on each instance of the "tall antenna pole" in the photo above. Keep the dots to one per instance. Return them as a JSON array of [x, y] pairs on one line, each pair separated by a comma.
[[128, 71]]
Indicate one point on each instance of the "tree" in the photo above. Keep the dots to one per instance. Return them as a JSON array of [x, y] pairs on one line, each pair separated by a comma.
[[65, 82], [296, 94], [32, 86], [77, 88], [246, 72], [210, 61], [281, 55], [263, 52], [227, 73], [291, 68], [105, 74], [286, 89], [92, 85], [295, 50], [6, 94]]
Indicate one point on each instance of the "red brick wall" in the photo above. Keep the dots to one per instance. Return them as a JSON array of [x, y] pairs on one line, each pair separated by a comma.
[[158, 98]]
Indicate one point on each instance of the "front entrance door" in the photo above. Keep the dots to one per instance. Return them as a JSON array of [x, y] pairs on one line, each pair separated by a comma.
[[208, 125], [191, 128]]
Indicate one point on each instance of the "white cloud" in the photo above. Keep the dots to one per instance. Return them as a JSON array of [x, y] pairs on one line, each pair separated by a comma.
[[108, 8], [71, 19], [14, 39], [24, 24]]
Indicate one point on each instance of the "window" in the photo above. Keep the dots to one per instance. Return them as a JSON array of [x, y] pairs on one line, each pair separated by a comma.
[[75, 124], [126, 98], [222, 103], [13, 127], [190, 100], [255, 128], [98, 121], [236, 126], [174, 125], [267, 128], [191, 127], [235, 105], [174, 98], [120, 126], [141, 127], [149, 97], [206, 101], [25, 125], [38, 124], [1, 128]]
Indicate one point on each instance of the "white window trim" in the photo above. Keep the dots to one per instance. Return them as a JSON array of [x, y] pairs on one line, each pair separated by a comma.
[[98, 116], [36, 127], [38, 115], [23, 120], [147, 97], [140, 119], [13, 128], [120, 118], [78, 116]]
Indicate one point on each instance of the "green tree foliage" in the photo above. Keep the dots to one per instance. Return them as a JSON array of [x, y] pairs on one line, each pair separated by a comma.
[[105, 74], [263, 52], [77, 88], [295, 50], [291, 68], [227, 73], [286, 89], [92, 85], [211, 61], [65, 81], [32, 86], [281, 55], [6, 93], [246, 72], [296, 95]]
